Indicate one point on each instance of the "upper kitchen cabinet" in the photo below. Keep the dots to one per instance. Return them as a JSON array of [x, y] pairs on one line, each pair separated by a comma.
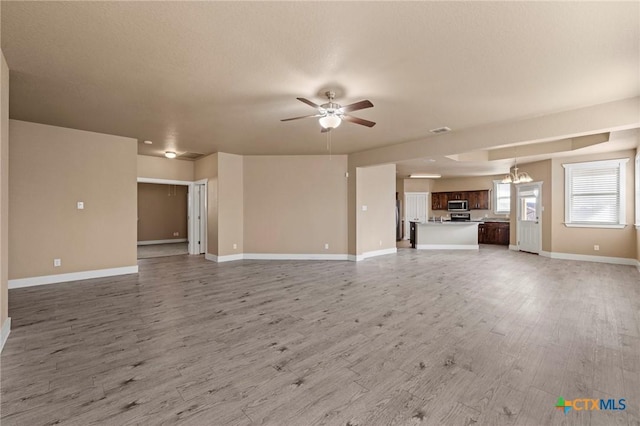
[[439, 201], [478, 200]]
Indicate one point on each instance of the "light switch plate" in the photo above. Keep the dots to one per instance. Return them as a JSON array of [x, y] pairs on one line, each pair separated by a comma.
[[80, 205], [364, 208]]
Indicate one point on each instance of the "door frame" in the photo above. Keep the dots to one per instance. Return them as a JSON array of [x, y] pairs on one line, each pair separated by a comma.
[[191, 226], [540, 210], [405, 228]]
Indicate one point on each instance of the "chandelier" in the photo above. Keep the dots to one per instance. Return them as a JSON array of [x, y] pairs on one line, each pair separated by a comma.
[[515, 177]]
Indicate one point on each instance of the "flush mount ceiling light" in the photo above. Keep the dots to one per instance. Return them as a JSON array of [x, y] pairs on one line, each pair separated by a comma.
[[148, 143], [425, 176], [170, 154], [516, 177]]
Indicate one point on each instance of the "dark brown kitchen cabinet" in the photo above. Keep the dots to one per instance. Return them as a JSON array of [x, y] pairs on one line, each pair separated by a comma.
[[478, 200], [493, 233], [482, 232], [439, 201]]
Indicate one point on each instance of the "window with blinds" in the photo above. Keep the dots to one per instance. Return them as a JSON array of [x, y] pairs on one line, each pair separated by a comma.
[[501, 197], [595, 193]]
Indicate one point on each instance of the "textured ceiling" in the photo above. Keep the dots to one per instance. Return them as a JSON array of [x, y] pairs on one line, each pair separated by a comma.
[[218, 76]]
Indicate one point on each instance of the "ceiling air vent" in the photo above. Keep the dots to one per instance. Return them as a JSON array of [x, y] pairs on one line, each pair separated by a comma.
[[440, 130], [189, 156]]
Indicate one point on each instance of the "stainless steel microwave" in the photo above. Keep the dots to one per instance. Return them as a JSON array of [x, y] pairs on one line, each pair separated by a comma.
[[458, 205]]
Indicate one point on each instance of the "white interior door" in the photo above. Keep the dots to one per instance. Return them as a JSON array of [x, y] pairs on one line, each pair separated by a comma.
[[528, 220], [415, 209]]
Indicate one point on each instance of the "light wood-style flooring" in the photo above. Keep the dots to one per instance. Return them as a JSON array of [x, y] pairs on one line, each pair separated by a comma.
[[492, 337], [162, 250]]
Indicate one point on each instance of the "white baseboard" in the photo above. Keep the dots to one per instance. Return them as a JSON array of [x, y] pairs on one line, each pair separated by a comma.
[[152, 242], [638, 265], [220, 259], [590, 258], [368, 254], [448, 247], [72, 276], [513, 247], [286, 256], [4, 333], [274, 256]]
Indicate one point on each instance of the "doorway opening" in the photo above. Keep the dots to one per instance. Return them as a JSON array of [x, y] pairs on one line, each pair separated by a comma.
[[171, 217]]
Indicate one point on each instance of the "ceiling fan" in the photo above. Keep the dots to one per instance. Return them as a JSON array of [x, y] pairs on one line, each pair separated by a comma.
[[332, 114]]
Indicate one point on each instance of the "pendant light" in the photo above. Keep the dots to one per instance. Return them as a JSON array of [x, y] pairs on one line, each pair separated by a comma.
[[515, 177]]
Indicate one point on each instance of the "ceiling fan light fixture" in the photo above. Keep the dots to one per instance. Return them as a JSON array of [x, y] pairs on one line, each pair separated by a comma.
[[170, 154], [330, 121]]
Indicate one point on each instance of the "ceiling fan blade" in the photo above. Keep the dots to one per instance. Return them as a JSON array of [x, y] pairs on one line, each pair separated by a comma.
[[308, 102], [356, 106], [304, 116], [357, 120]]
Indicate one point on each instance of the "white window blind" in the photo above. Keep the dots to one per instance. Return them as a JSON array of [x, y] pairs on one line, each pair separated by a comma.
[[501, 197], [595, 193]]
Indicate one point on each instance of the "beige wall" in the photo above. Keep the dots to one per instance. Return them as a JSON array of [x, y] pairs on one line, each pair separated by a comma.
[[207, 168], [165, 168], [295, 204], [52, 168], [162, 211], [4, 189], [376, 190], [612, 242], [230, 204]]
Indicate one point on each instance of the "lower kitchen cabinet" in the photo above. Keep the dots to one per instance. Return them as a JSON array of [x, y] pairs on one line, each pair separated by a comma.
[[493, 233]]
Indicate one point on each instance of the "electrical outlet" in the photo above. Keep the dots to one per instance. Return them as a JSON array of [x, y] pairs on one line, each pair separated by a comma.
[[57, 262], [380, 242], [596, 247], [364, 208], [176, 234], [326, 246], [80, 205], [235, 246]]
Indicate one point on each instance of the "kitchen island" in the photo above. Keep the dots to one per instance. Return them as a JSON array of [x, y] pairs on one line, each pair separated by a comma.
[[447, 236]]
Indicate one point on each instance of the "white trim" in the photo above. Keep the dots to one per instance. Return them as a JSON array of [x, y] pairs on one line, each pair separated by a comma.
[[595, 225], [72, 276], [152, 242], [220, 259], [448, 247], [638, 265], [275, 256], [515, 247], [164, 181], [590, 258], [637, 188], [283, 256], [368, 254], [4, 333], [544, 253]]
